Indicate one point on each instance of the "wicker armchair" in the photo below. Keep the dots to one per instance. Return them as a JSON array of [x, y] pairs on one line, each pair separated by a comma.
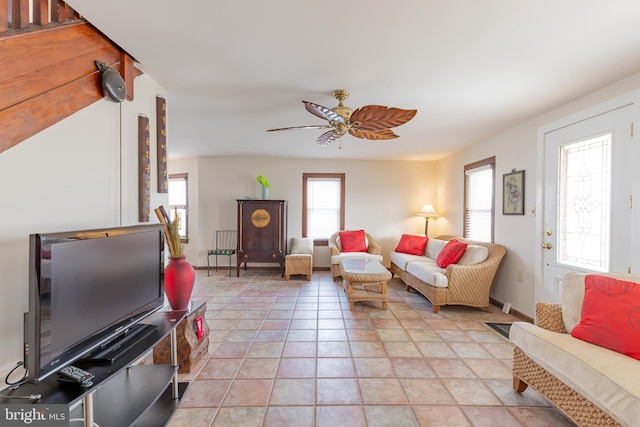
[[373, 252], [466, 284]]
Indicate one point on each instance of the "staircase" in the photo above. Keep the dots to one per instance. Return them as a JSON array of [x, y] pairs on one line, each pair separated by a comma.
[[47, 66]]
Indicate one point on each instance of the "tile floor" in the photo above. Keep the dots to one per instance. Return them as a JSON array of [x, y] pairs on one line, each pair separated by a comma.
[[291, 353]]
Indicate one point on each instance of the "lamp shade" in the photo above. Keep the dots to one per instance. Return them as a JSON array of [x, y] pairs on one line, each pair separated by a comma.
[[427, 211]]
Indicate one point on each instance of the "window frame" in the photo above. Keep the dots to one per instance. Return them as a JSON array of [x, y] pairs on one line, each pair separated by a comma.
[[185, 178], [305, 180], [489, 161]]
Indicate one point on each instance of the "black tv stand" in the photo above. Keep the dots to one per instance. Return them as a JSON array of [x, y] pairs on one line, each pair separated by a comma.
[[115, 348], [123, 393]]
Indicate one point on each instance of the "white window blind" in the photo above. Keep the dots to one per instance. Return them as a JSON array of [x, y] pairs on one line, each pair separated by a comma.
[[178, 202], [479, 203], [323, 207]]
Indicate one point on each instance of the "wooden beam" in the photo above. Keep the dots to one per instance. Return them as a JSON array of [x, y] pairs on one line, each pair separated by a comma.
[[30, 117], [31, 51], [26, 86]]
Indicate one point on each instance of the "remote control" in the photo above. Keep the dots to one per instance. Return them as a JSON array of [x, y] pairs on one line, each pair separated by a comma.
[[76, 375]]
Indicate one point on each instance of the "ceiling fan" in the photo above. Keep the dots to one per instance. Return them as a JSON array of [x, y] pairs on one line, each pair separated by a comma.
[[369, 122]]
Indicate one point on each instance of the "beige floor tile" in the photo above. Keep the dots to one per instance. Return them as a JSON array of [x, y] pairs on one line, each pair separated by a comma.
[[245, 417], [335, 368], [197, 417], [302, 416], [426, 392], [297, 368], [333, 349], [338, 391], [381, 391], [290, 392], [258, 368], [374, 367], [248, 393], [439, 416], [219, 369], [396, 416], [340, 416], [470, 392]]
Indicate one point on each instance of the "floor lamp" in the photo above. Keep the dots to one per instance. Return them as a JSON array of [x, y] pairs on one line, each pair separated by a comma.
[[427, 212]]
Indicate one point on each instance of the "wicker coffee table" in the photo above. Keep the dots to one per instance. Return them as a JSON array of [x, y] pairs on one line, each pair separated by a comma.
[[365, 280]]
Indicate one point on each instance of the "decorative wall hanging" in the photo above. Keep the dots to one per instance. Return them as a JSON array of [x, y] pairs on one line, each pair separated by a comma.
[[513, 193], [144, 169], [161, 138]]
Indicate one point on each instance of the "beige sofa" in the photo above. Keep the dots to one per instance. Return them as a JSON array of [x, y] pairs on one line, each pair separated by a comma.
[[593, 385], [467, 282]]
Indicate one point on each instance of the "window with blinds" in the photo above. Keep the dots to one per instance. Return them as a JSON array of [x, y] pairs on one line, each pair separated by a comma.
[[178, 203], [479, 184], [323, 205]]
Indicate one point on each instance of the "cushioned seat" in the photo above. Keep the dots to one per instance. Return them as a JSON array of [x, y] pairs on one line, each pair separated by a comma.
[[370, 250], [300, 259]]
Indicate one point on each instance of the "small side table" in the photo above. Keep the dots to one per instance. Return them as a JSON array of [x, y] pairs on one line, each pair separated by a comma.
[[190, 347], [365, 280], [298, 264]]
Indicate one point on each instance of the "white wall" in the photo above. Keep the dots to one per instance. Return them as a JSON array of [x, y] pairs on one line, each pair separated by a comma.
[[73, 175], [514, 148], [382, 196]]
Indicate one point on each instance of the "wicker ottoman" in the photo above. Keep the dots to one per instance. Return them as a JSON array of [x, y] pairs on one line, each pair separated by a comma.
[[365, 280], [298, 264]]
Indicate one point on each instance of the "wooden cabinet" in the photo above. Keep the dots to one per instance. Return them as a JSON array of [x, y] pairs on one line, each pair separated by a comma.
[[262, 232]]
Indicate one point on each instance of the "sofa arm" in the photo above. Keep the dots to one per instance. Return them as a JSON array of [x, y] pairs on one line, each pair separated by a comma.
[[374, 249], [549, 317]]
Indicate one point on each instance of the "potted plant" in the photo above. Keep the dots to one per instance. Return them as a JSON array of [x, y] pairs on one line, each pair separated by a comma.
[[264, 182]]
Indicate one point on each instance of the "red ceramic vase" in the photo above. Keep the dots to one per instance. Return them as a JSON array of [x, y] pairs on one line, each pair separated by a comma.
[[179, 277]]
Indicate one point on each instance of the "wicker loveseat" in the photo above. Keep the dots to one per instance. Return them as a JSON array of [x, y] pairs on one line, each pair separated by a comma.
[[458, 284], [373, 252], [592, 385]]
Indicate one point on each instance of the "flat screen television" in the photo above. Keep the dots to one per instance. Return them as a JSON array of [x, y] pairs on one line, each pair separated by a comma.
[[86, 288]]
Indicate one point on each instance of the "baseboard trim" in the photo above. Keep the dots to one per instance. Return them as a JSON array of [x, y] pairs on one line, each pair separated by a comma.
[[513, 312]]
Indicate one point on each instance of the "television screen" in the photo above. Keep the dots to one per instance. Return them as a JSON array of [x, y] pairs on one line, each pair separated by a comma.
[[86, 288]]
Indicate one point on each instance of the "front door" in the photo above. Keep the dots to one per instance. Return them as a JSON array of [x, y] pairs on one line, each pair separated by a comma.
[[587, 189]]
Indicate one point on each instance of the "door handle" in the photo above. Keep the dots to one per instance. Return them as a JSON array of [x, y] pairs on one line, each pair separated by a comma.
[[546, 246]]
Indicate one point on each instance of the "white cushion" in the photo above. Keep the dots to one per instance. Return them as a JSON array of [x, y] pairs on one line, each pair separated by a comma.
[[335, 259], [401, 259], [608, 379], [429, 273], [474, 254], [434, 246], [302, 245]]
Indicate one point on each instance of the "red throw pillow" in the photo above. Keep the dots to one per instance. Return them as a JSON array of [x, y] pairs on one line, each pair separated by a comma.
[[451, 253], [353, 241], [411, 244], [610, 315]]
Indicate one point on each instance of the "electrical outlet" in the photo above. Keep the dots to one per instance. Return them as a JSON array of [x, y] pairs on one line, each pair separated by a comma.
[[506, 308], [520, 276]]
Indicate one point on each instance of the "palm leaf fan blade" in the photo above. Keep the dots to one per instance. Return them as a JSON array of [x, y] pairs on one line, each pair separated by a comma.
[[323, 112], [379, 135], [327, 137], [380, 117]]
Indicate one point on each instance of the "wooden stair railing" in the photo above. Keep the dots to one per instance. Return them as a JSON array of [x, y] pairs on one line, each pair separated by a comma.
[[48, 72], [14, 14]]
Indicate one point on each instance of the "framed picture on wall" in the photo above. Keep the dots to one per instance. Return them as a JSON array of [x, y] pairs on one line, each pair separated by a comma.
[[513, 193]]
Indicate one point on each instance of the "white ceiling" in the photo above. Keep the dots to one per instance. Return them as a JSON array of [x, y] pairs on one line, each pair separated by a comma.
[[471, 68]]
